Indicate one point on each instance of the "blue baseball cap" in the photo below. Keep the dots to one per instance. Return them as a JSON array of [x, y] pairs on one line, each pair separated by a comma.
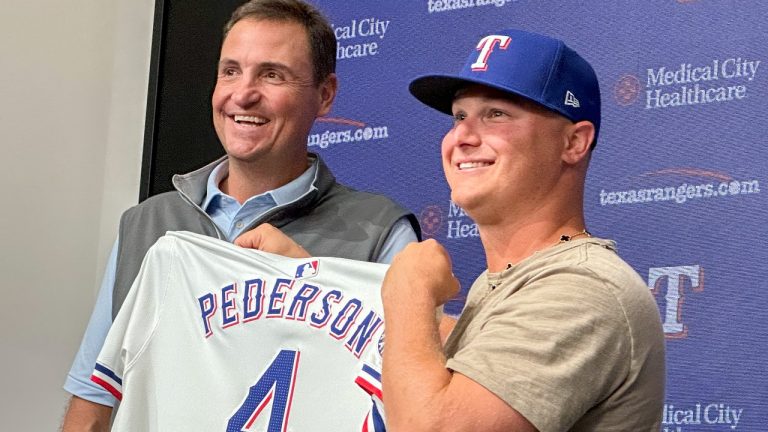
[[536, 67]]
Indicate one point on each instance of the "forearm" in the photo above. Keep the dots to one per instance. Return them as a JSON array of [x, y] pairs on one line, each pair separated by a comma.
[[414, 376], [86, 416], [418, 390]]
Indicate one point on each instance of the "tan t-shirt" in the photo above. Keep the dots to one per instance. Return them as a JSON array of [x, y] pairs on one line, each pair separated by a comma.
[[571, 338]]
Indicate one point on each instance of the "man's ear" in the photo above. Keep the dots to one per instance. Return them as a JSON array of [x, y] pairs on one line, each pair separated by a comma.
[[327, 94], [579, 137]]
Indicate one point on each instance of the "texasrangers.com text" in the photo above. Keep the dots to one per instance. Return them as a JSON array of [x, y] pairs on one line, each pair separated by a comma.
[[324, 139], [448, 5], [680, 193]]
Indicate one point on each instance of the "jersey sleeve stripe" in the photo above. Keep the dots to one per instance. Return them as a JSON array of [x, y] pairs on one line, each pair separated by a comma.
[[115, 392], [103, 370], [109, 380], [372, 372], [377, 419], [374, 421], [369, 387], [370, 380]]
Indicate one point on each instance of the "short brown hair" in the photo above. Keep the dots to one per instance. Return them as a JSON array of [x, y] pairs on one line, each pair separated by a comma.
[[320, 36]]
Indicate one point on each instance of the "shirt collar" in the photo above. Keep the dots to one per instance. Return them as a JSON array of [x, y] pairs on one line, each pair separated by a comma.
[[287, 193]]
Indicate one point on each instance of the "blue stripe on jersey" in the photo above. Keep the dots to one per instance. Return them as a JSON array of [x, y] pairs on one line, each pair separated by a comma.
[[372, 372], [108, 373], [378, 422]]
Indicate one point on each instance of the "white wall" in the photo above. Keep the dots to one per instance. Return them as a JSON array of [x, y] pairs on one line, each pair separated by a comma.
[[72, 91]]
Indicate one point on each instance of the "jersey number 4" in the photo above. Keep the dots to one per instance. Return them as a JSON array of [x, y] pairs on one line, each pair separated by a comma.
[[276, 383]]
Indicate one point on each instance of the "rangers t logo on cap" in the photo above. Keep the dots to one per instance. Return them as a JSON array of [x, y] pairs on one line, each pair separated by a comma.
[[486, 46]]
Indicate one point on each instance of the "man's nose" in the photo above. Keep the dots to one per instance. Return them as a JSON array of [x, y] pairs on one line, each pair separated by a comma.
[[465, 132], [247, 92]]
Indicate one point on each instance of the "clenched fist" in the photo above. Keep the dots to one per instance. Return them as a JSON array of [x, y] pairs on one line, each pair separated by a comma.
[[421, 272]]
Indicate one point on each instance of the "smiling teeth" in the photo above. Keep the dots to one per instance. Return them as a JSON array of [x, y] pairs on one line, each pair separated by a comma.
[[468, 165], [249, 119]]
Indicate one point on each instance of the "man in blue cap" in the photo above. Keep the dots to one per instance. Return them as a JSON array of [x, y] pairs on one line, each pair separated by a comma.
[[559, 334]]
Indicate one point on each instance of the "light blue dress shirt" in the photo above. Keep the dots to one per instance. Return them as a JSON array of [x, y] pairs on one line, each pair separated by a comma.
[[231, 218]]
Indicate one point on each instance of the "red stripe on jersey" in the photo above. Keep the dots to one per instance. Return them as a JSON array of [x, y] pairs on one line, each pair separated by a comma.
[[107, 386], [370, 388]]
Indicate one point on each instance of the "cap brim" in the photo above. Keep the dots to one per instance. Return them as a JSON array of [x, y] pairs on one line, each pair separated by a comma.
[[438, 91]]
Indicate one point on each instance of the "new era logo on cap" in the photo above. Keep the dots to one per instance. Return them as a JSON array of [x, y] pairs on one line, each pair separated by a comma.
[[571, 100]]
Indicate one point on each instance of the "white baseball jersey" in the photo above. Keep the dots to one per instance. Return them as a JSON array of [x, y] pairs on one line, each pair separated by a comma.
[[213, 337]]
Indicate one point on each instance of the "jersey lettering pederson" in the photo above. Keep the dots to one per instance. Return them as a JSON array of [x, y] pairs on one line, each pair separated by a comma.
[[213, 337]]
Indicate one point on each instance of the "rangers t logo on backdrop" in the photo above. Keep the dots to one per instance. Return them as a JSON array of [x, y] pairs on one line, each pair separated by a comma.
[[671, 282]]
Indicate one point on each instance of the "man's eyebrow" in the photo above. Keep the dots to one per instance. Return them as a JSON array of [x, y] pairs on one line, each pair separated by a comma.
[[275, 65], [264, 65], [227, 62]]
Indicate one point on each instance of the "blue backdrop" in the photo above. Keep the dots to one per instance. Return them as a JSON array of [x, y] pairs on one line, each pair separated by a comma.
[[675, 179]]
